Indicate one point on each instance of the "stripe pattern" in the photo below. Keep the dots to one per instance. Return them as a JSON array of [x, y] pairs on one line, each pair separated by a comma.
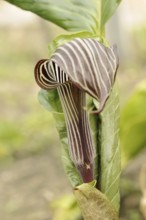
[[81, 147], [73, 100], [90, 65], [82, 65]]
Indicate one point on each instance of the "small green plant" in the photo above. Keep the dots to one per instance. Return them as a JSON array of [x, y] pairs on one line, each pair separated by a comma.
[[78, 87]]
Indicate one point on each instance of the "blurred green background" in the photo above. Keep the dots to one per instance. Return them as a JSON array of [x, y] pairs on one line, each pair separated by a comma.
[[31, 172]]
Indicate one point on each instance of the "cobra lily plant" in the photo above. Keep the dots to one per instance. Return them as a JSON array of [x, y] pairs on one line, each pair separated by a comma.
[[78, 67]]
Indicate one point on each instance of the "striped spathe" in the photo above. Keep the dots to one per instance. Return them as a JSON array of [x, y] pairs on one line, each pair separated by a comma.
[[77, 67]]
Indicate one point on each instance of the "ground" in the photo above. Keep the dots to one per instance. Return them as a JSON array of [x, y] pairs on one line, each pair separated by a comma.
[[28, 186]]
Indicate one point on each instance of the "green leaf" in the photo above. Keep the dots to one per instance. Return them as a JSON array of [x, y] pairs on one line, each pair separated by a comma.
[[105, 9], [72, 15], [133, 124], [109, 150], [94, 204]]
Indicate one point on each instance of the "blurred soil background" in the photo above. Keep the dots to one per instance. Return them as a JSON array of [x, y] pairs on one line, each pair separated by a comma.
[[31, 172]]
